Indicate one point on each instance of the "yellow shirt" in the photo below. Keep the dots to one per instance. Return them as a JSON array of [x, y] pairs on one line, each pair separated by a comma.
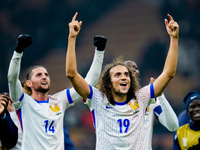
[[187, 137]]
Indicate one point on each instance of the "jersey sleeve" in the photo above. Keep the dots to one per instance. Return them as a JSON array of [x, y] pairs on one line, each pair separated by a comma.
[[94, 98], [146, 94], [14, 84], [94, 73], [91, 78], [166, 114]]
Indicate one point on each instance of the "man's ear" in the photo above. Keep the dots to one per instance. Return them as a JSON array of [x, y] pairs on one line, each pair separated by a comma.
[[28, 83]]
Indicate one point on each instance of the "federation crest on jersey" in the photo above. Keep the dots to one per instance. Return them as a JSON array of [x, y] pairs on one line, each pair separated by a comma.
[[134, 106], [55, 108]]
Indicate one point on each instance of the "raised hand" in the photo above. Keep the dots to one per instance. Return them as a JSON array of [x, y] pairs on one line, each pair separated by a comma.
[[100, 42], [23, 41], [74, 27], [172, 27], [4, 100]]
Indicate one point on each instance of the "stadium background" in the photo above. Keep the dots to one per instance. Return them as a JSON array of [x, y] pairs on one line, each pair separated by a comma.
[[134, 28]]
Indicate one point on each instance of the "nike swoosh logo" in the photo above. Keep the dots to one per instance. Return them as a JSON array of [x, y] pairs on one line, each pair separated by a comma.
[[193, 97], [108, 107]]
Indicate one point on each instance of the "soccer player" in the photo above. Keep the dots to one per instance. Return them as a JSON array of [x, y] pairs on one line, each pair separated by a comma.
[[42, 114], [117, 104], [161, 109], [8, 130], [188, 136]]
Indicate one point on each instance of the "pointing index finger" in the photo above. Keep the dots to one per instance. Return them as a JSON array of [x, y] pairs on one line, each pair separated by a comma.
[[170, 17], [74, 18]]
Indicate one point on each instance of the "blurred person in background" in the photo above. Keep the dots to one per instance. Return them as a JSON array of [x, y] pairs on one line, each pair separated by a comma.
[[161, 109], [8, 130], [68, 144], [188, 136]]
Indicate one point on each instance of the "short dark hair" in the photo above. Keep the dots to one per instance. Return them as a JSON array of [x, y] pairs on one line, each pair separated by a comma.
[[28, 77], [28, 74]]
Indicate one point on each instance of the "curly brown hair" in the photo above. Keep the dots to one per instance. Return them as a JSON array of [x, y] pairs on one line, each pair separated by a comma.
[[105, 81]]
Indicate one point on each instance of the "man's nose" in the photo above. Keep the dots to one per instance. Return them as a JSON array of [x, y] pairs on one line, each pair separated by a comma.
[[124, 77], [44, 76]]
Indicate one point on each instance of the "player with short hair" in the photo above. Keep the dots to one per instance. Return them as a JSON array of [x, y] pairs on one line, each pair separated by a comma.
[[117, 104], [42, 114], [160, 109]]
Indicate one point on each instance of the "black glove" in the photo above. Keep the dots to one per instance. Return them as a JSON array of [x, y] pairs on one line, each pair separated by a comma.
[[23, 41], [100, 42]]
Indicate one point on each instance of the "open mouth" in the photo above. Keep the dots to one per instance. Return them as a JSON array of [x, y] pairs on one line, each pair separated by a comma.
[[44, 83], [123, 84], [197, 115]]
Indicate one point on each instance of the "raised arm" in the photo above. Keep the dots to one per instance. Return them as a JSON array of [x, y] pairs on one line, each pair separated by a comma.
[[14, 84], [171, 60], [80, 85], [95, 69]]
